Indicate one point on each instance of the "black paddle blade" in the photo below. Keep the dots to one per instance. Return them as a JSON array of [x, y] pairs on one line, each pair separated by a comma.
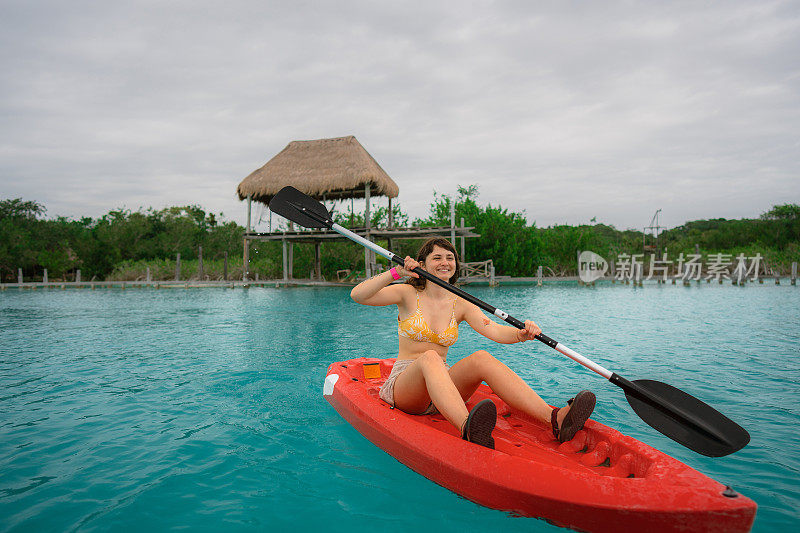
[[685, 419], [300, 208]]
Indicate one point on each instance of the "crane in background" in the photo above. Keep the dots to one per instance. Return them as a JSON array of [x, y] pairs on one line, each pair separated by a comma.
[[653, 229]]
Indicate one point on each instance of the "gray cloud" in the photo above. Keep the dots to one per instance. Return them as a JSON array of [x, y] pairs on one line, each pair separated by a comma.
[[568, 110]]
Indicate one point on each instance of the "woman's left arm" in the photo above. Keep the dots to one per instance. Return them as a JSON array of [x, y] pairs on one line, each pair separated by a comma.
[[498, 332]]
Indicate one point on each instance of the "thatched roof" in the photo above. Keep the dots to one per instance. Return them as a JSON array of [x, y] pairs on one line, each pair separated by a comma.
[[337, 168]]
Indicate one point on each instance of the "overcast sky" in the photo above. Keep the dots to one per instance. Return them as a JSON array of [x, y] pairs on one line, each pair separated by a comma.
[[566, 110]]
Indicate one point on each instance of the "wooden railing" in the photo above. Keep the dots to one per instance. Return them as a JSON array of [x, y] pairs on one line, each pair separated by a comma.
[[477, 270]]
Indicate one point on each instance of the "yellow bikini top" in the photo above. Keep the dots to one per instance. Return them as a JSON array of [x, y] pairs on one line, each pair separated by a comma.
[[415, 327]]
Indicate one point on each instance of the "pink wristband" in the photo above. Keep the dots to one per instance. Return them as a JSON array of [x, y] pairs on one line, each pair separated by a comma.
[[395, 275]]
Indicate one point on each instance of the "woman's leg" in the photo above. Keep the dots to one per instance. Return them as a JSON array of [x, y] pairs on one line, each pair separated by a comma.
[[468, 373], [426, 380]]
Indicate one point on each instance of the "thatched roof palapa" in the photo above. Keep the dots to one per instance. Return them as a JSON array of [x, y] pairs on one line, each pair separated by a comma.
[[336, 168]]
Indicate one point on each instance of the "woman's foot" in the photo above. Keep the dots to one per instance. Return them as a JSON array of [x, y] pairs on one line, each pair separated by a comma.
[[480, 424], [580, 409]]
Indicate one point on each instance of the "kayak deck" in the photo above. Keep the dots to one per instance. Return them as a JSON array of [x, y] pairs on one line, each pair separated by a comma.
[[599, 481]]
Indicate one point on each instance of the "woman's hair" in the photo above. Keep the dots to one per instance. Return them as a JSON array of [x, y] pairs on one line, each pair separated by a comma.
[[425, 251]]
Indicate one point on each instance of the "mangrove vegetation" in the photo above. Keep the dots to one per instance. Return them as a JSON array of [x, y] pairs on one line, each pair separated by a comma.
[[123, 244]]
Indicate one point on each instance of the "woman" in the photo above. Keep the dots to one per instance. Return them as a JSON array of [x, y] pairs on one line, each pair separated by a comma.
[[422, 382]]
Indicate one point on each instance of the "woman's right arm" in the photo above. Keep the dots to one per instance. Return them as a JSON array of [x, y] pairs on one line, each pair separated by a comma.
[[377, 289]]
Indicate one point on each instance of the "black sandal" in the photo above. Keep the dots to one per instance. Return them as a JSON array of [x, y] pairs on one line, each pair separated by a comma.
[[480, 424], [576, 417]]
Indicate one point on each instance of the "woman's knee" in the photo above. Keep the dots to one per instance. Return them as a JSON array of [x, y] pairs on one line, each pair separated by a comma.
[[482, 358], [431, 360]]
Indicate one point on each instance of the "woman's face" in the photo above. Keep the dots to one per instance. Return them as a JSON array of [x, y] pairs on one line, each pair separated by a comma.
[[441, 263]]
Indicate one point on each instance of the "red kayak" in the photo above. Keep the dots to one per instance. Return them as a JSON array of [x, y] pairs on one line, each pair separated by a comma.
[[601, 480]]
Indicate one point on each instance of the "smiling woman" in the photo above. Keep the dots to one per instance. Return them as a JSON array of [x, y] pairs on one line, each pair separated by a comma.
[[421, 381]]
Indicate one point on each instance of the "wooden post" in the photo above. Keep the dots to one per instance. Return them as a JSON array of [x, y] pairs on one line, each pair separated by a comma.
[[463, 241], [44, 277], [200, 262], [794, 273], [492, 281], [249, 208], [149, 277], [539, 276], [77, 275], [19, 276], [178, 267], [391, 226], [246, 258], [290, 270], [318, 261], [285, 266], [367, 223], [290, 256], [453, 222], [225, 267], [367, 214]]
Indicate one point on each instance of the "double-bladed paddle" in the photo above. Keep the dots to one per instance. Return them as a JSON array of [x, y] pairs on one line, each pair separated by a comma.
[[678, 415]]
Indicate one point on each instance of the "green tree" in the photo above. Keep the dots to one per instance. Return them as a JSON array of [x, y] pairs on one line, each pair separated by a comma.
[[782, 212], [18, 228], [505, 237]]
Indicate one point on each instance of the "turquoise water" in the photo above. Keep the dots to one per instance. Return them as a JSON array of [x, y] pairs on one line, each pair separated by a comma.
[[202, 408]]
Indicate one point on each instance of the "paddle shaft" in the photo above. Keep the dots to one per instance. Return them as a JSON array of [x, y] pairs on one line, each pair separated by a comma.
[[572, 354]]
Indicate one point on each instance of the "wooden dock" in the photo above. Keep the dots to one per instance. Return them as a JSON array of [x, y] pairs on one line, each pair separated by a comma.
[[478, 273], [190, 284]]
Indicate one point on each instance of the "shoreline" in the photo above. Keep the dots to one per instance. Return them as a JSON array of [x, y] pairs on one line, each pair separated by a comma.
[[278, 283]]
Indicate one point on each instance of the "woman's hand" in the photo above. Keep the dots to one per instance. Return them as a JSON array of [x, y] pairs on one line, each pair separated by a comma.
[[406, 269], [530, 331]]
